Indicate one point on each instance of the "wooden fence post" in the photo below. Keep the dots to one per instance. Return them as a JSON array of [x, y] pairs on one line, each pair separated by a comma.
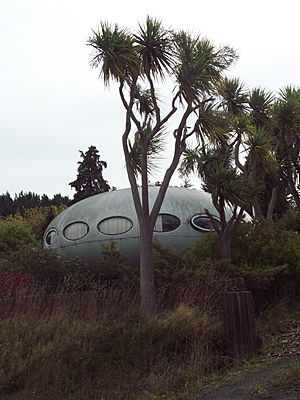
[[238, 310]]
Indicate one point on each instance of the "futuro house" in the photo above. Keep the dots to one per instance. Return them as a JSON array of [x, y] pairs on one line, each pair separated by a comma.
[[80, 230]]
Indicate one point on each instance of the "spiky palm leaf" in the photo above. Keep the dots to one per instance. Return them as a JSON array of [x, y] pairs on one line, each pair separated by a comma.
[[289, 92], [154, 47], [191, 161], [144, 101], [156, 146], [200, 162], [199, 66], [114, 53], [211, 123], [234, 98], [260, 156], [287, 115], [225, 183], [287, 132], [260, 103], [242, 123]]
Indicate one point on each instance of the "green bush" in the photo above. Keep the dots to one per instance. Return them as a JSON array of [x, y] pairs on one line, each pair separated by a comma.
[[114, 265], [291, 219], [48, 269], [54, 272], [266, 243], [15, 234], [266, 254], [256, 244], [207, 247], [40, 217]]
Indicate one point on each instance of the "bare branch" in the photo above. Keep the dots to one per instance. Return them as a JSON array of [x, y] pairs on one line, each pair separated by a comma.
[[130, 171], [179, 147], [152, 90], [129, 107], [237, 153], [214, 223]]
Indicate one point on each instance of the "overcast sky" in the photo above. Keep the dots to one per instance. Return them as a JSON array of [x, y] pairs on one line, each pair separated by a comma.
[[52, 104]]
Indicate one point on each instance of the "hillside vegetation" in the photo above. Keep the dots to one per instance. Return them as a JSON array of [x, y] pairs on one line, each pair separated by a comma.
[[69, 331]]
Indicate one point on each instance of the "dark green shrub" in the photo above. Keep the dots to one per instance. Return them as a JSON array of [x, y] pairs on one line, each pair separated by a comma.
[[256, 244], [54, 272], [48, 269], [266, 243], [114, 265], [268, 284], [266, 254], [167, 262], [291, 220], [207, 247]]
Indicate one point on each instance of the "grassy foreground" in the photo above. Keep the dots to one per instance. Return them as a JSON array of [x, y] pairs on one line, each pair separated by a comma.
[[113, 357]]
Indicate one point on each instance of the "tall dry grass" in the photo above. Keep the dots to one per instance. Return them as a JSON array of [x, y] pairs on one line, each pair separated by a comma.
[[84, 344], [112, 297], [114, 353]]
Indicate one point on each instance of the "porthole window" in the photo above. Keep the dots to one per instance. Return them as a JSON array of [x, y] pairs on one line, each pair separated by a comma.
[[51, 237], [115, 225], [166, 223], [76, 231], [201, 222]]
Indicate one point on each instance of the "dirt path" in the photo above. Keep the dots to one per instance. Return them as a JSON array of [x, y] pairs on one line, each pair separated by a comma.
[[278, 377], [258, 384]]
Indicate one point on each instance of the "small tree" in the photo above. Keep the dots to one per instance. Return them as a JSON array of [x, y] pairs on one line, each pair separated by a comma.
[[7, 206], [89, 178], [228, 189], [286, 136], [137, 61]]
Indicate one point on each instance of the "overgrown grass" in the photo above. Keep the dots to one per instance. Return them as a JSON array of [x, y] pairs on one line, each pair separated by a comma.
[[78, 335], [119, 355]]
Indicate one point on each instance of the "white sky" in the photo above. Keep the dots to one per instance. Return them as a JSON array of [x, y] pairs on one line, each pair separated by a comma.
[[52, 104]]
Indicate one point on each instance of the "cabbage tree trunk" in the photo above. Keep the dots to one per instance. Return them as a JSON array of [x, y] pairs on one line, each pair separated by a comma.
[[226, 239], [147, 285]]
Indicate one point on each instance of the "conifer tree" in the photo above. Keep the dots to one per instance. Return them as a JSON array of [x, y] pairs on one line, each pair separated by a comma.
[[89, 179]]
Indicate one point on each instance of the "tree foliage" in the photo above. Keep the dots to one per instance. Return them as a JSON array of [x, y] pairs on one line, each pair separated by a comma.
[[15, 234], [89, 179], [29, 200], [254, 163]]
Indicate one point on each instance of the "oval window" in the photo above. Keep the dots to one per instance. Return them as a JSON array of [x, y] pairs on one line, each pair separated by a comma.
[[201, 222], [115, 225], [51, 237], [166, 223], [76, 231]]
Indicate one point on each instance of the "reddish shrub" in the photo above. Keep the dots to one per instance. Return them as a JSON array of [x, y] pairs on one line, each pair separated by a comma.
[[13, 283]]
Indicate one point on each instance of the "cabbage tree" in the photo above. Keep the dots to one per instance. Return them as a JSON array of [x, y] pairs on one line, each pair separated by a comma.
[[139, 62]]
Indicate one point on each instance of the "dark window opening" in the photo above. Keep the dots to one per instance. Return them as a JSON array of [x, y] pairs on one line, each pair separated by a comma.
[[166, 223], [202, 223], [51, 237]]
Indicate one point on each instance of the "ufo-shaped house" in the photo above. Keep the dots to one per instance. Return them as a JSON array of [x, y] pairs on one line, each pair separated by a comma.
[[82, 229]]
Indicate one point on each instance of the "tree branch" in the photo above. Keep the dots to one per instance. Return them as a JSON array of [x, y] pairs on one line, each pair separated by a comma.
[[272, 202], [214, 223], [179, 146], [130, 171], [237, 153], [129, 108], [152, 90]]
